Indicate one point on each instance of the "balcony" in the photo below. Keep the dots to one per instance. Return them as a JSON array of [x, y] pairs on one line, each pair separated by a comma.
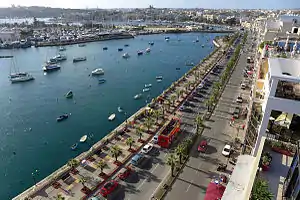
[[288, 90]]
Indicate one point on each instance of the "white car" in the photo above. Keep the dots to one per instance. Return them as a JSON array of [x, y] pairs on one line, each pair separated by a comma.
[[239, 99], [154, 139], [147, 148], [226, 150]]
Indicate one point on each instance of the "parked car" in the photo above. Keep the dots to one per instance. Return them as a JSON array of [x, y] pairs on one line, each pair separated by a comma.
[[202, 146], [137, 159], [243, 86], [236, 112], [124, 173], [155, 139], [239, 99], [226, 150], [147, 148], [108, 188]]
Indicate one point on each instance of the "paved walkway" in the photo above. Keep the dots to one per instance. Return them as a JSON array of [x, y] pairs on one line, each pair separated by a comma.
[[201, 168]]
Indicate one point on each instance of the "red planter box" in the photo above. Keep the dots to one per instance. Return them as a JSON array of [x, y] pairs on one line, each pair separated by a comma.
[[282, 151]]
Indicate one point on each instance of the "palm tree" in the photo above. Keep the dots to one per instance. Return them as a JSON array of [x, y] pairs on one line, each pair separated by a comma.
[[177, 93], [199, 123], [171, 161], [148, 123], [73, 163], [60, 197], [208, 104], [260, 190], [129, 142], [82, 180], [173, 98], [217, 86], [139, 132], [187, 142], [180, 151], [101, 165], [157, 114], [186, 86], [116, 152]]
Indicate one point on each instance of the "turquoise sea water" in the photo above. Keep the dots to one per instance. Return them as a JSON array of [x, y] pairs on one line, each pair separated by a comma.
[[28, 111]]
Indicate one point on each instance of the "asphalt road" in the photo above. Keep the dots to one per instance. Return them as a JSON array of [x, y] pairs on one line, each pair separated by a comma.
[[201, 168]]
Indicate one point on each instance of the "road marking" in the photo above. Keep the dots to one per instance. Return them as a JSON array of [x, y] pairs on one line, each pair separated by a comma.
[[154, 168], [147, 177], [189, 186]]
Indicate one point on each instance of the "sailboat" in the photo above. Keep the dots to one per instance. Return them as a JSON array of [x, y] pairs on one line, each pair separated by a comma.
[[16, 76], [69, 95]]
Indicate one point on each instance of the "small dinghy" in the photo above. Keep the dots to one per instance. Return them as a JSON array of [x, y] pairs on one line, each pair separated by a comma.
[[102, 81], [138, 96], [69, 95], [120, 109], [148, 85], [74, 146], [62, 118], [105, 48], [177, 68], [146, 89], [159, 77], [83, 138], [120, 49], [112, 117]]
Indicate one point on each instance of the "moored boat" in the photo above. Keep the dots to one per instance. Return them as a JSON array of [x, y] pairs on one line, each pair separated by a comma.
[[140, 53], [148, 85], [98, 71], [69, 95], [137, 96], [51, 67], [112, 117], [62, 118], [74, 146], [79, 59], [105, 48], [62, 49], [197, 40], [23, 78], [120, 109], [146, 89], [101, 81], [126, 45], [151, 43], [81, 45], [83, 138], [125, 55], [120, 49], [148, 50], [159, 77], [177, 68]]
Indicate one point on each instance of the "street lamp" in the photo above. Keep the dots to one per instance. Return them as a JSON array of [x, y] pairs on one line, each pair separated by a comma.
[[34, 174]]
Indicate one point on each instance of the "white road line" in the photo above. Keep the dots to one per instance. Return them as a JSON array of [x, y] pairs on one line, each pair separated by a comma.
[[147, 177], [154, 168], [187, 189]]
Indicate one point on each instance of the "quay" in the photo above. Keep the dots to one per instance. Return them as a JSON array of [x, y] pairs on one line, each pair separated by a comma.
[[46, 185]]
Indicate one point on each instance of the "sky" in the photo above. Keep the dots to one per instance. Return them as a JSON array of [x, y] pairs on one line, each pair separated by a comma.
[[264, 4]]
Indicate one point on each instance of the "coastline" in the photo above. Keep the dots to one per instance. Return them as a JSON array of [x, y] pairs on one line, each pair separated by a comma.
[[65, 169]]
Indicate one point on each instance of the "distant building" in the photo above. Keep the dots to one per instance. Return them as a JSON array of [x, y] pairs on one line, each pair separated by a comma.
[[9, 35]]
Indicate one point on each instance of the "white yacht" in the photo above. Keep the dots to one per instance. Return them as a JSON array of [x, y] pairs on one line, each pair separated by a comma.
[[98, 71], [23, 78], [148, 50]]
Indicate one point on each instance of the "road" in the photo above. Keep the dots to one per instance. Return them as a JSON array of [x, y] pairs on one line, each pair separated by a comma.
[[201, 168]]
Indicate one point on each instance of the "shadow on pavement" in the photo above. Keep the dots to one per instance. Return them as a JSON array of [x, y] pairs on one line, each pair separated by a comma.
[[198, 186], [117, 195], [146, 163], [131, 189], [133, 178], [210, 149]]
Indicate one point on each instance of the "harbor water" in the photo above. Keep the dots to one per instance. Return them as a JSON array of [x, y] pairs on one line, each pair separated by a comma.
[[31, 138]]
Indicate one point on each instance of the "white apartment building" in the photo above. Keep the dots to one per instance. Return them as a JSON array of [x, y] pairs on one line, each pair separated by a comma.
[[9, 35], [281, 90]]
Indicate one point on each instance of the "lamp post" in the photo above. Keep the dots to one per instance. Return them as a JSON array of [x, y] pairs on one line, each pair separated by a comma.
[[34, 174]]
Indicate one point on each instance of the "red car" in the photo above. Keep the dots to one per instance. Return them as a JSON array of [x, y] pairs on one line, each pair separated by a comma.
[[124, 173], [108, 188], [202, 146]]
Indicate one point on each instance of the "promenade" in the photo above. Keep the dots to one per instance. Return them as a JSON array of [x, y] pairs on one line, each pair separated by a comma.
[[83, 176]]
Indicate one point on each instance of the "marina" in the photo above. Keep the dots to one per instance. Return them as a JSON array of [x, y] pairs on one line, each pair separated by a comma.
[[91, 106]]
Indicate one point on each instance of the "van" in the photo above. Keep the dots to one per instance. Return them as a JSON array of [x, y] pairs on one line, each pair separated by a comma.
[[136, 160]]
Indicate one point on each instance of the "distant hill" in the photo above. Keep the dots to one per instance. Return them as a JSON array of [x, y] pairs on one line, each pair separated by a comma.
[[35, 11]]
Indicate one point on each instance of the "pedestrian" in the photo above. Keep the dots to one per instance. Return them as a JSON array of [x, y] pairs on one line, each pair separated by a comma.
[[243, 126]]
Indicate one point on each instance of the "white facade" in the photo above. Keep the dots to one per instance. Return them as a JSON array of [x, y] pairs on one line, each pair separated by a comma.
[[279, 69], [273, 25], [9, 36]]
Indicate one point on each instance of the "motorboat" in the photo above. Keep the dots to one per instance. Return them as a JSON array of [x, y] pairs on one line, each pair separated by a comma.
[[148, 50], [112, 117], [197, 40], [81, 45], [51, 67], [137, 96], [177, 68], [74, 146], [120, 49], [139, 53], [23, 78], [105, 48], [159, 80], [60, 57], [62, 118], [189, 64], [61, 49], [69, 95], [202, 45], [167, 39], [98, 71], [79, 59], [159, 77], [151, 43], [83, 138], [146, 89], [125, 55], [18, 74], [102, 81], [126, 45], [148, 85], [120, 109]]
